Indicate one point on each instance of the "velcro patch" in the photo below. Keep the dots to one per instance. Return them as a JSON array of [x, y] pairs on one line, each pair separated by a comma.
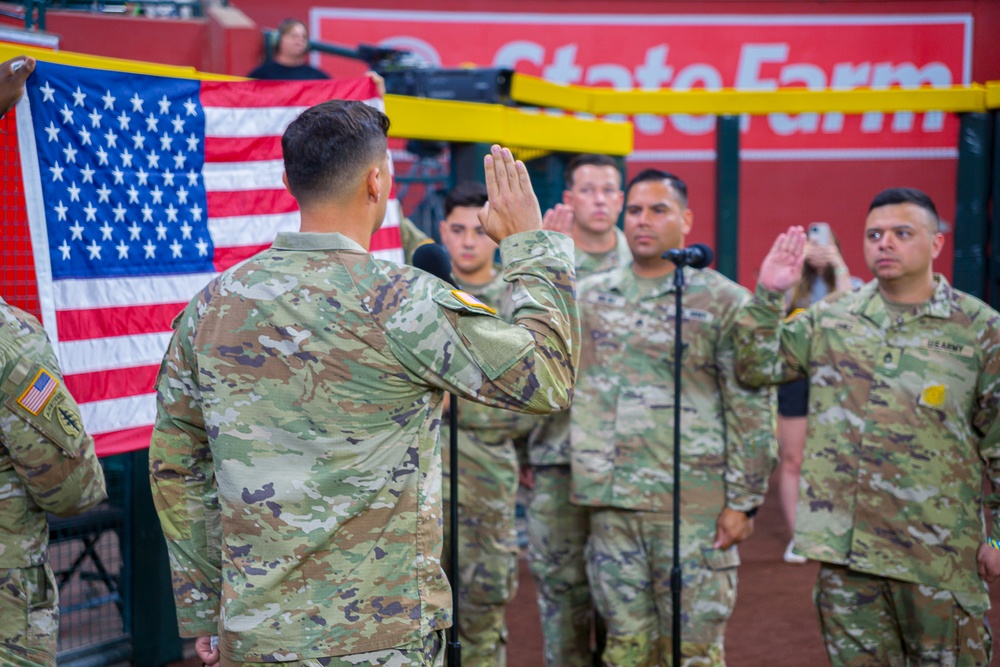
[[38, 394], [471, 301]]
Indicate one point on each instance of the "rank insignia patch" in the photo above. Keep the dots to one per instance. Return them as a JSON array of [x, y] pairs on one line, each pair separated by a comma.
[[38, 394]]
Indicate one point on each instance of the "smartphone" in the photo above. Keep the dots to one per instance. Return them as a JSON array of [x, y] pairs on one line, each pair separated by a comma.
[[819, 233]]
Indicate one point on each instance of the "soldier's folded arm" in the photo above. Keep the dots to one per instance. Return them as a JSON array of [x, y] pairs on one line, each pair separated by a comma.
[[182, 478], [768, 349], [42, 428], [463, 346]]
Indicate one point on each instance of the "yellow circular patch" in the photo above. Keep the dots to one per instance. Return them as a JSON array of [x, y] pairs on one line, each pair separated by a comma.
[[933, 395]]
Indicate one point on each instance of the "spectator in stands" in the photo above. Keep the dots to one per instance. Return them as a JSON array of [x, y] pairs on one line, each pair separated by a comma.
[[290, 53]]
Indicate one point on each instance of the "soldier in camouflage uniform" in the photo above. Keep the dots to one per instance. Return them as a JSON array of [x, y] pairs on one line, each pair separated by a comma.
[[904, 391], [295, 459], [622, 440], [487, 459], [47, 464], [557, 530]]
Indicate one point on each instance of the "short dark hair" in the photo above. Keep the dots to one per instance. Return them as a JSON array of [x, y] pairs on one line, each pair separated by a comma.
[[283, 28], [329, 146], [913, 196], [584, 159], [679, 186], [467, 193]]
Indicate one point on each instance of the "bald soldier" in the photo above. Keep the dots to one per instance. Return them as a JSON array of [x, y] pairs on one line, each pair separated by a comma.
[[904, 378], [295, 460], [47, 464]]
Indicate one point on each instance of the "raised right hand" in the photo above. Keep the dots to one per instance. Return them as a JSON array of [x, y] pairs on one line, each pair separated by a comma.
[[782, 267], [559, 219], [513, 206], [12, 81]]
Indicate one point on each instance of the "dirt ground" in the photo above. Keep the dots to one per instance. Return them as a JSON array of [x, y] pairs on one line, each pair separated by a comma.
[[774, 624]]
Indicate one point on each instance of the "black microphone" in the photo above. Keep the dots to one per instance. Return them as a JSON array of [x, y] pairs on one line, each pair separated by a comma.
[[434, 259], [697, 256]]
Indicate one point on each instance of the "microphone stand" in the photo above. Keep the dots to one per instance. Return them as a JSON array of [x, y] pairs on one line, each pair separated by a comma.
[[454, 645], [675, 571]]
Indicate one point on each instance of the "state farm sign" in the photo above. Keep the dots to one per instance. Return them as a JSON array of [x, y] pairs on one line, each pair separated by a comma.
[[682, 52]]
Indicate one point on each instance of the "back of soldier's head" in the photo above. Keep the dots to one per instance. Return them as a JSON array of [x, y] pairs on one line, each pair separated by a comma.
[[329, 148]]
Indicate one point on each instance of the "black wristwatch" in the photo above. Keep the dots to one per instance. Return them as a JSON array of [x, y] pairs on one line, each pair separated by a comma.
[[752, 512]]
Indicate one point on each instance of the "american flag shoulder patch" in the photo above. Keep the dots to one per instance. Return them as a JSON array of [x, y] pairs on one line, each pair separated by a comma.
[[39, 392], [471, 301]]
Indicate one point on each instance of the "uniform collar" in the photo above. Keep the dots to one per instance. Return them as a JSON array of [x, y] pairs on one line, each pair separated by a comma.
[[872, 307], [625, 282], [314, 241]]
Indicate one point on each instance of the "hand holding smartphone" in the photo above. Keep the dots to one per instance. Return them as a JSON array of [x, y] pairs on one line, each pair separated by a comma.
[[819, 233]]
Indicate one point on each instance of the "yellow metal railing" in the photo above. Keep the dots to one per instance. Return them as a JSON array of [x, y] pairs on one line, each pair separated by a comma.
[[416, 118], [602, 101]]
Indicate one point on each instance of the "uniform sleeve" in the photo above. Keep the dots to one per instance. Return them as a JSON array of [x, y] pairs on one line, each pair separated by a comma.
[[769, 350], [751, 444], [42, 430], [457, 345], [183, 484], [986, 420]]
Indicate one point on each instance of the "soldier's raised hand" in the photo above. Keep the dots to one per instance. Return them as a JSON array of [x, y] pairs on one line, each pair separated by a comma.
[[559, 219], [513, 206], [782, 267], [13, 74]]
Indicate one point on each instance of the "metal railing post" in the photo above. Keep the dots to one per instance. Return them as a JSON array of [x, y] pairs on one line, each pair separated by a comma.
[[727, 195], [972, 192]]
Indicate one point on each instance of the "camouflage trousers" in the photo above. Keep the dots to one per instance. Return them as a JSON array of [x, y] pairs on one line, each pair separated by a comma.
[[869, 620], [29, 616], [428, 653], [487, 492], [557, 538], [629, 559]]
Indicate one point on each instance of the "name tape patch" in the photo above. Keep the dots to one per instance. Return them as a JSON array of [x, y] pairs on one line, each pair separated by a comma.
[[948, 346]]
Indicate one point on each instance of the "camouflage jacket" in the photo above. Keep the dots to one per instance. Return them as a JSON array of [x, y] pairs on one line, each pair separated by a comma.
[[902, 426], [549, 444], [623, 409], [295, 460], [493, 425], [47, 460]]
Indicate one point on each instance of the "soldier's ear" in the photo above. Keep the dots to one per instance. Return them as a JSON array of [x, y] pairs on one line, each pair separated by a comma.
[[373, 184]]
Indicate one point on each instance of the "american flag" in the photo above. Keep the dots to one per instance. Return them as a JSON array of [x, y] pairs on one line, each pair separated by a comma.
[[39, 393], [140, 189]]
